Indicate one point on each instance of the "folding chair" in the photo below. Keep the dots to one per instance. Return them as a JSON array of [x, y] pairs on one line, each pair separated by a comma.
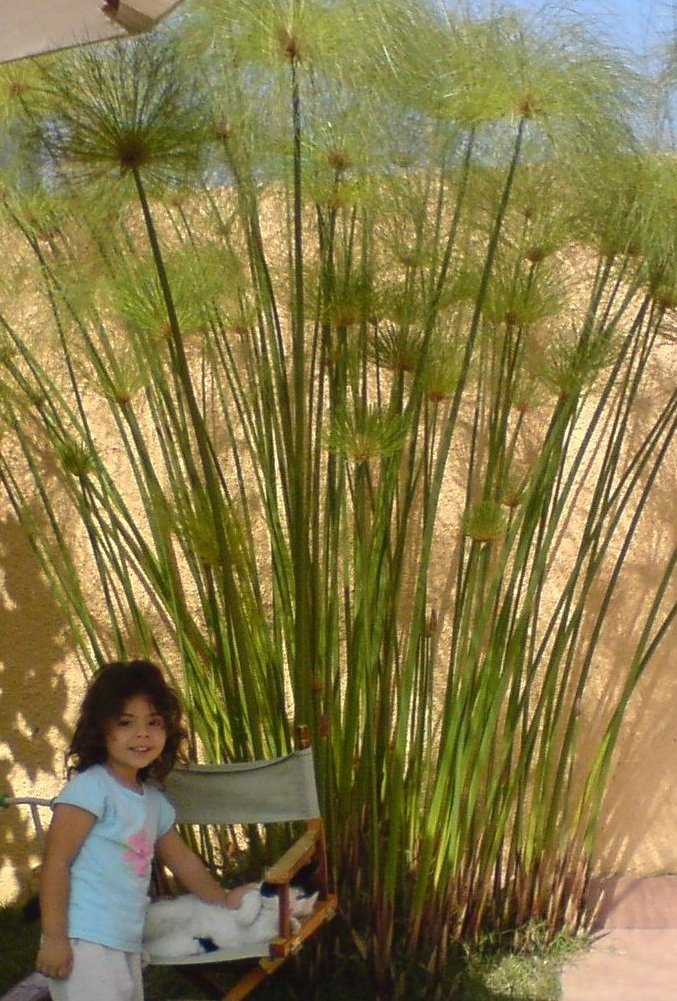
[[37, 807], [279, 790], [34, 986]]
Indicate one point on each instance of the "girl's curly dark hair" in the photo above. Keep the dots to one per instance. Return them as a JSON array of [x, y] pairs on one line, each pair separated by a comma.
[[113, 685]]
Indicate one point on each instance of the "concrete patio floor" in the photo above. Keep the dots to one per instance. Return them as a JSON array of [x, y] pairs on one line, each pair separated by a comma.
[[634, 954]]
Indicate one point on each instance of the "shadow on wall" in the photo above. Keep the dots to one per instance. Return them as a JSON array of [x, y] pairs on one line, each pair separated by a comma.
[[639, 815], [638, 823], [33, 692]]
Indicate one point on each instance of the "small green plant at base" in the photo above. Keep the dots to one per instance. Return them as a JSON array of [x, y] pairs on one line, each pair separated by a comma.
[[530, 973]]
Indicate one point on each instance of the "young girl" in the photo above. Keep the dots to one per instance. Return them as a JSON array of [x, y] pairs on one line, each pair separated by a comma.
[[108, 822]]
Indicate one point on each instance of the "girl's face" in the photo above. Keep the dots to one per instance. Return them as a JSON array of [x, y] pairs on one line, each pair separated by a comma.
[[134, 740]]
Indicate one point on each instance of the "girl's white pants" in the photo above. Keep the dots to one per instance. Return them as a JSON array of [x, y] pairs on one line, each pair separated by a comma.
[[100, 974]]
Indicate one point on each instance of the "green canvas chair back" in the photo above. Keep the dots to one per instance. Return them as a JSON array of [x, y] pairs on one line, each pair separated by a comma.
[[254, 792]]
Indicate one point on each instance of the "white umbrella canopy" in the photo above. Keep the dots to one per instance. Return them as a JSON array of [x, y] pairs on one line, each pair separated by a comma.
[[32, 27]]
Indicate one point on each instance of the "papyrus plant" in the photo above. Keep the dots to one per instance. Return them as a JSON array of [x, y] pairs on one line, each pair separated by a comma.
[[348, 439]]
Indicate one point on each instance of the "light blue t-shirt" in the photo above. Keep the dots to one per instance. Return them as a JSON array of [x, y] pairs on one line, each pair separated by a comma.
[[111, 872]]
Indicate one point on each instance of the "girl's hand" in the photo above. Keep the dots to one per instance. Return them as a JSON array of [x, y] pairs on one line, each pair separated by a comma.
[[235, 896], [55, 957]]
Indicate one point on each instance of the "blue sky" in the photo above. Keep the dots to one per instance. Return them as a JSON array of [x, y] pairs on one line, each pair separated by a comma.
[[642, 30], [637, 25]]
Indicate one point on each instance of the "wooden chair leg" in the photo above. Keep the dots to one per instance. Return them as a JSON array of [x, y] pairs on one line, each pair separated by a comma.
[[251, 980]]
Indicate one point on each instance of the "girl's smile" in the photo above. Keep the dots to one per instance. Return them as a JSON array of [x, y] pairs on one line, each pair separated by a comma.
[[134, 740]]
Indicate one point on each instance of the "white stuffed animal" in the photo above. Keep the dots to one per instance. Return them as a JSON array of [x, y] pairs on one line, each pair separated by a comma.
[[187, 925]]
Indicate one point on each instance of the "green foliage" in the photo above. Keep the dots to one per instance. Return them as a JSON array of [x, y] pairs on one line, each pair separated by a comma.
[[326, 332], [112, 115]]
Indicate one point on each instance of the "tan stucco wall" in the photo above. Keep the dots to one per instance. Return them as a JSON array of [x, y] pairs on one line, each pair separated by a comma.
[[39, 686], [41, 679]]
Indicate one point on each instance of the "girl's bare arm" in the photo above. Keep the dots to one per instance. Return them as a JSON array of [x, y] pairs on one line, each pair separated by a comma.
[[191, 872], [68, 830]]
